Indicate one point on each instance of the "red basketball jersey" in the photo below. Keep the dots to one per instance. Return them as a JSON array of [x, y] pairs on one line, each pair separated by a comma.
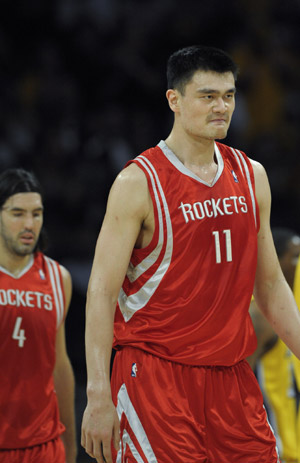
[[31, 310], [186, 295]]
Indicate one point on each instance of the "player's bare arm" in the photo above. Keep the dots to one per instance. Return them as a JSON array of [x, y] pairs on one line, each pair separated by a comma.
[[272, 293], [64, 378], [128, 222], [266, 338]]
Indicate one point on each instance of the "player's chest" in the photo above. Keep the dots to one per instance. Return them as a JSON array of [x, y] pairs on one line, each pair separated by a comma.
[[192, 202]]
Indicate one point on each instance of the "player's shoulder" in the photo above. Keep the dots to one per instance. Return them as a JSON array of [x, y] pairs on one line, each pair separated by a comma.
[[131, 173], [258, 168], [239, 154], [135, 171], [128, 186], [130, 180], [128, 195], [42, 259], [130, 191], [66, 275], [230, 151]]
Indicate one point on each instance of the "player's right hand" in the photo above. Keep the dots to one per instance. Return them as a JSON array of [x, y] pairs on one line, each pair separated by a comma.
[[100, 426]]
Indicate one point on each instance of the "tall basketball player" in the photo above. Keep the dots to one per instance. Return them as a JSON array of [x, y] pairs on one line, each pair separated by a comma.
[[184, 244]]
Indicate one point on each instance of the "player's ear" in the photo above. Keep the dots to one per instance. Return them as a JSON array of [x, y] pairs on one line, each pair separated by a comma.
[[173, 99]]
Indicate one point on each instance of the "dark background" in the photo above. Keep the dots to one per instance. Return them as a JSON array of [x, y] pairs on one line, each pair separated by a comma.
[[82, 90]]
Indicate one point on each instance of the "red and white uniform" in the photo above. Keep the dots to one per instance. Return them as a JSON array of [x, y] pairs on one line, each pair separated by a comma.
[[186, 295], [31, 310], [182, 388]]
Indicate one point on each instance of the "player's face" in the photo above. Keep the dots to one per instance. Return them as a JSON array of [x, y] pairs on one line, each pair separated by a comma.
[[206, 108], [21, 220]]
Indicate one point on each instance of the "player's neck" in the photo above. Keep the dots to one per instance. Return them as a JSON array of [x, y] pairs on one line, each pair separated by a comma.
[[13, 263], [191, 151], [197, 156]]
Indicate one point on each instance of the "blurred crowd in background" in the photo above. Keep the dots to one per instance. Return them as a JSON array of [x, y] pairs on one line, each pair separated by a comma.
[[83, 90]]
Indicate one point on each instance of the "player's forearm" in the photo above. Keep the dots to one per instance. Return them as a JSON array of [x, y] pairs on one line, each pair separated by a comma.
[[65, 391], [278, 304], [99, 338]]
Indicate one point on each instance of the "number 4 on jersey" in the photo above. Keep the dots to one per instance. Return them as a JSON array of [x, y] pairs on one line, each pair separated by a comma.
[[18, 333]]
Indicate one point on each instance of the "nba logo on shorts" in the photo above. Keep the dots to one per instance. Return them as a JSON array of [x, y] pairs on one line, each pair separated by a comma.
[[134, 370], [234, 176]]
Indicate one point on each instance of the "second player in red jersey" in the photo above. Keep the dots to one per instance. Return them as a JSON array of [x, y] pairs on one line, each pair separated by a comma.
[[37, 422]]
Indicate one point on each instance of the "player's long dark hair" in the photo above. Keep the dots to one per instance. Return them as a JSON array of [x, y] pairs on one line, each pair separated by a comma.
[[13, 181]]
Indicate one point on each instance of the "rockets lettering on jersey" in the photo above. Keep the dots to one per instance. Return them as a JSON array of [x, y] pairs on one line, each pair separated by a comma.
[[38, 287], [30, 299], [214, 207]]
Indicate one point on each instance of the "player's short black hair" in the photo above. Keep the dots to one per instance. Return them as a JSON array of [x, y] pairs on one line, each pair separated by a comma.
[[18, 180], [282, 236], [183, 63]]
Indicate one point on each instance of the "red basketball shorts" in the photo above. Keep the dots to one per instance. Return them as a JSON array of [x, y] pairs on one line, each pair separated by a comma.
[[173, 413], [49, 452]]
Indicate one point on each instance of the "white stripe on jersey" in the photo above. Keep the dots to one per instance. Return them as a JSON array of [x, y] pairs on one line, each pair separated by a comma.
[[126, 440], [238, 155], [57, 289], [238, 161], [134, 302], [133, 273], [125, 406]]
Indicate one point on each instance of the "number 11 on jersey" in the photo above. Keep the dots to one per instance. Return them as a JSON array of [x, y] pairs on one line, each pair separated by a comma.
[[227, 238], [18, 333]]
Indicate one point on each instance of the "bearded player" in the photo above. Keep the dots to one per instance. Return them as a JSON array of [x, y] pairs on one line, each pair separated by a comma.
[[37, 421]]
